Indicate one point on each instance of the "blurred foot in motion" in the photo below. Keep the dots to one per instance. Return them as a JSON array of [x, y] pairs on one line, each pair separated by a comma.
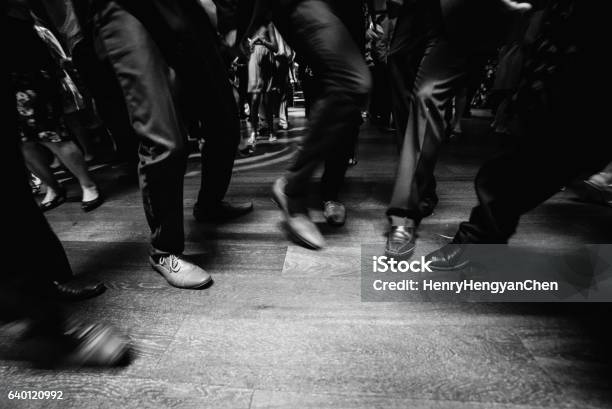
[[95, 345], [75, 344], [297, 220], [598, 188]]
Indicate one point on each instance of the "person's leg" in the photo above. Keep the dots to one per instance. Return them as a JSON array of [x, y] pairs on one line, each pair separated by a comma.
[[509, 186], [334, 172], [337, 163], [146, 81], [255, 90], [282, 80], [74, 124], [100, 79], [208, 93], [38, 164], [440, 73], [143, 75], [72, 157], [406, 50], [28, 292], [316, 32]]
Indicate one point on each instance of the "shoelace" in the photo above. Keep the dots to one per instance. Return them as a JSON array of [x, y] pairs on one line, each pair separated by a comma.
[[172, 261]]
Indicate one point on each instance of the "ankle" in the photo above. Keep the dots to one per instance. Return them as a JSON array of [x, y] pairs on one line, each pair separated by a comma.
[[401, 221]]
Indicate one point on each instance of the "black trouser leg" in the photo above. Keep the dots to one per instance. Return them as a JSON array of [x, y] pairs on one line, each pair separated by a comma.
[[143, 75], [26, 293], [208, 94], [102, 83], [511, 185], [316, 32], [441, 72], [337, 163]]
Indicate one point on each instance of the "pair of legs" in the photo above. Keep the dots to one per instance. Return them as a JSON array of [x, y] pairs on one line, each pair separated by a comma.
[[144, 51], [70, 155], [337, 162], [315, 32]]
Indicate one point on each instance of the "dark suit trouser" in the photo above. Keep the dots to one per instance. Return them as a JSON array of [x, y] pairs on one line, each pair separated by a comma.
[[142, 65], [26, 292], [337, 163], [556, 147], [314, 31], [425, 76]]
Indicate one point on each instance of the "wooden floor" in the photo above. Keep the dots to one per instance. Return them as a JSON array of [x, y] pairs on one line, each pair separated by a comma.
[[284, 327]]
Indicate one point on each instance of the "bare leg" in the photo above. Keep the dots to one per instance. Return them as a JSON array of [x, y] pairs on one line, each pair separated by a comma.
[[70, 155], [73, 122], [38, 164]]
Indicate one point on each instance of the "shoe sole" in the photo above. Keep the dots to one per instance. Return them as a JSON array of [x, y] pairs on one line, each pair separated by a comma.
[[407, 253], [197, 287], [297, 238]]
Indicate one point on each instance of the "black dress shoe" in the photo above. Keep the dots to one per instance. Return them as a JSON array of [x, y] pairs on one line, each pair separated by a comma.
[[52, 204], [222, 211], [90, 205], [448, 258], [77, 291], [401, 241]]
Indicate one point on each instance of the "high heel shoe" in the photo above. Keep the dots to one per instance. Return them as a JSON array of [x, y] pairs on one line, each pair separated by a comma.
[[57, 200]]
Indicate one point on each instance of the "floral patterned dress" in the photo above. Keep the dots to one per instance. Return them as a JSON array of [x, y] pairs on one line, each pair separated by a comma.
[[37, 83]]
